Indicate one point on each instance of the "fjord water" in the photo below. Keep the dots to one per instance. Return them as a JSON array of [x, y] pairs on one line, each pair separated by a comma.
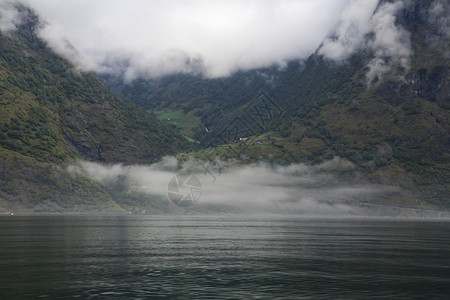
[[222, 257]]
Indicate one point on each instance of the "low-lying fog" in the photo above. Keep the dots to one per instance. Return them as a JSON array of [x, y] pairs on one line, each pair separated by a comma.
[[327, 188]]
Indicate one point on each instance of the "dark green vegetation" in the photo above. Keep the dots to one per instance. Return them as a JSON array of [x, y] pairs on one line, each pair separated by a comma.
[[51, 115], [184, 122], [396, 131]]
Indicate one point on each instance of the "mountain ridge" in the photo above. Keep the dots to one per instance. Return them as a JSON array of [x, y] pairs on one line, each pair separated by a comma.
[[53, 115]]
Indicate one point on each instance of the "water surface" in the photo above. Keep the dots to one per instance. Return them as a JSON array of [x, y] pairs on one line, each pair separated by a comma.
[[214, 257]]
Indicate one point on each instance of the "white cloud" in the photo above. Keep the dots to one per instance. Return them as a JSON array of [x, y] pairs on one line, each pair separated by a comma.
[[54, 35], [390, 43], [216, 38], [294, 188], [349, 36], [9, 16], [439, 15]]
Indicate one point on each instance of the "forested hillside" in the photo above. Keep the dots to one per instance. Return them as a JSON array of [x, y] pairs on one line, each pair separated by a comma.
[[52, 114]]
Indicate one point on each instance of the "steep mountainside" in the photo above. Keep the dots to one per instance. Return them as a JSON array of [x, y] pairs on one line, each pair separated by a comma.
[[209, 100], [395, 128], [51, 115]]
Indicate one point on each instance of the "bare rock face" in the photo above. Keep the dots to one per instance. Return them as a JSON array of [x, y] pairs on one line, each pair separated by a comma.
[[85, 145]]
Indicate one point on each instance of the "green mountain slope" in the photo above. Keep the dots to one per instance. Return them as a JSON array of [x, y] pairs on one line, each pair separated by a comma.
[[396, 130], [51, 115], [209, 100]]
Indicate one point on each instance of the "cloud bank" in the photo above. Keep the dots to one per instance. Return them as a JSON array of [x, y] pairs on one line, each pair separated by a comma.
[[318, 189], [389, 43], [354, 25], [211, 37], [9, 16], [215, 38]]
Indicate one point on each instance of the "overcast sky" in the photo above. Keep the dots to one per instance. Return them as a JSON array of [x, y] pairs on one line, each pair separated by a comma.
[[158, 37], [151, 38]]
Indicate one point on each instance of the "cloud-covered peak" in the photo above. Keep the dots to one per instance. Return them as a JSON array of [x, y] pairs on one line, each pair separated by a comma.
[[212, 37], [216, 38], [354, 25], [9, 16], [389, 42]]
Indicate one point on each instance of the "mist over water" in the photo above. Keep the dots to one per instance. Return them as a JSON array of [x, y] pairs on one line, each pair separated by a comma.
[[326, 189]]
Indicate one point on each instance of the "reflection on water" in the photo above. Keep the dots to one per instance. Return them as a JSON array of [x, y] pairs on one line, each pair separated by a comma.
[[86, 257]]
